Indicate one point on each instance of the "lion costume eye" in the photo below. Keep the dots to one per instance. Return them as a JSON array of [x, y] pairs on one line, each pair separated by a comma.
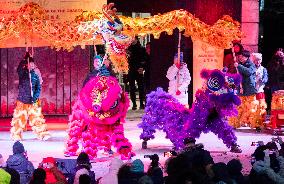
[[114, 104]]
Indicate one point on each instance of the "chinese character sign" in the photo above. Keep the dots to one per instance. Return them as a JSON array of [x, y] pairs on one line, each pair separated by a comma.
[[204, 56], [55, 9]]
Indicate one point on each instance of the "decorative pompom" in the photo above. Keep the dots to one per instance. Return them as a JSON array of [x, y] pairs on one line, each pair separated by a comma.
[[205, 73]]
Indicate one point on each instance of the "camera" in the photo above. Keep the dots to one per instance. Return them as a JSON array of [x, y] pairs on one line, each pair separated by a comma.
[[152, 157], [275, 139], [258, 143]]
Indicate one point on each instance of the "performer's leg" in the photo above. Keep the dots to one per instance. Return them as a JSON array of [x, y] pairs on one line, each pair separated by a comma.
[[224, 131], [261, 109], [76, 126], [37, 122], [123, 146], [140, 83], [131, 78], [239, 120], [19, 121], [90, 141]]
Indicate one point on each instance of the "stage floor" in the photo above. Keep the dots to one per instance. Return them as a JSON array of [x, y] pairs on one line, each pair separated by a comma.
[[55, 146]]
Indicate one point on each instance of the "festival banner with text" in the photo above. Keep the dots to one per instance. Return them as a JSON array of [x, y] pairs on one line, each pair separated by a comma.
[[204, 56], [57, 10]]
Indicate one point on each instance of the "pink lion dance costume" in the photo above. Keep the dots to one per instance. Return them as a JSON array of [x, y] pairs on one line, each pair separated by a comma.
[[97, 118]]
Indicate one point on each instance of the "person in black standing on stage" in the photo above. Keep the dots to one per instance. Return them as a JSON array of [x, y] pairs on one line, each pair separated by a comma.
[[147, 69], [137, 62]]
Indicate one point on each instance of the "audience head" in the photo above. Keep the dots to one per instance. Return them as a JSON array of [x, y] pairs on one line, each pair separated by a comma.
[[137, 166], [189, 141], [48, 163], [18, 148], [220, 171], [39, 176], [124, 171], [84, 179], [259, 153], [145, 180], [234, 167], [84, 160]]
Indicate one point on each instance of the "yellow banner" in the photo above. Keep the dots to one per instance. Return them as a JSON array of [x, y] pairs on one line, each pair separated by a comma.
[[204, 56], [56, 9]]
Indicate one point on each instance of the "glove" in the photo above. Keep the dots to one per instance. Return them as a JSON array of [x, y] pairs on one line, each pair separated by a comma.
[[178, 92], [177, 65]]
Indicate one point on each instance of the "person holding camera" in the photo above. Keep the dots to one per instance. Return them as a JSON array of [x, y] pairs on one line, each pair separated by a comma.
[[155, 171], [267, 165], [191, 150], [53, 174]]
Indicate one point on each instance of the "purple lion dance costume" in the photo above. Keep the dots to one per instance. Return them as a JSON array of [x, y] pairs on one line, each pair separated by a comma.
[[215, 102]]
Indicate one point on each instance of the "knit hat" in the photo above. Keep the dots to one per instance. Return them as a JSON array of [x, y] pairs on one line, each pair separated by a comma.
[[49, 160], [5, 177], [18, 148], [83, 158], [137, 166]]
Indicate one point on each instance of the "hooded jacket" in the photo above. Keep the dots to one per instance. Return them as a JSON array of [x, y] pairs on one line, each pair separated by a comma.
[[111, 177], [24, 95], [248, 72], [20, 163]]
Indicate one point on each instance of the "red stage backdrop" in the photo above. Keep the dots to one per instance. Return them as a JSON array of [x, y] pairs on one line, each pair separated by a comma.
[[63, 73]]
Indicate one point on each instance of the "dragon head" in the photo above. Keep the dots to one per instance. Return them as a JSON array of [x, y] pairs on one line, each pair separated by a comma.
[[116, 42]]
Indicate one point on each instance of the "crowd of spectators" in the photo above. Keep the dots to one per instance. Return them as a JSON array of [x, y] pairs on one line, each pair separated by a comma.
[[191, 165]]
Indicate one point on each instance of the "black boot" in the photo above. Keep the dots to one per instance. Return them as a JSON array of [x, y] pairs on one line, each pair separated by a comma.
[[236, 149], [144, 145], [134, 107]]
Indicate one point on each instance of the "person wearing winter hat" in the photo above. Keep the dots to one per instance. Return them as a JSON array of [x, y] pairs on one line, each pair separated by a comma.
[[83, 167], [179, 77], [235, 171], [100, 68], [19, 161], [111, 176], [5, 177], [53, 174], [136, 171], [39, 176], [28, 104], [261, 80]]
